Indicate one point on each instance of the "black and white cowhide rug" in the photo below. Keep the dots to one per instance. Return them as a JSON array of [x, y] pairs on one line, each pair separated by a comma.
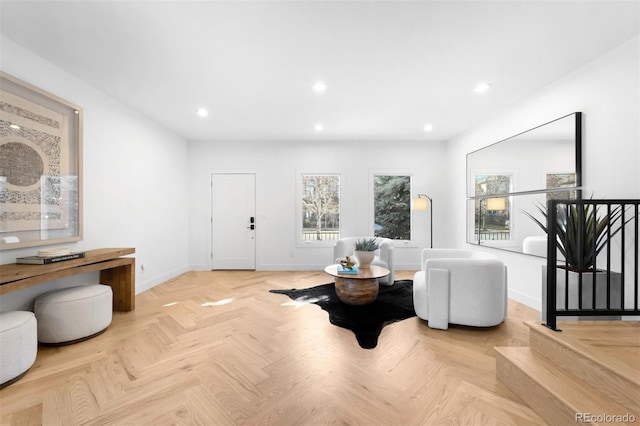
[[394, 303]]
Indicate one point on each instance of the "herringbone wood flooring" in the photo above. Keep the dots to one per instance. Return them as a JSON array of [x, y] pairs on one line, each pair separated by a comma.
[[184, 356]]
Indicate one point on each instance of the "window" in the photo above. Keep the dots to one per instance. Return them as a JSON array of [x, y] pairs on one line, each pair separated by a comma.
[[492, 218], [492, 185], [561, 180], [320, 208], [392, 206]]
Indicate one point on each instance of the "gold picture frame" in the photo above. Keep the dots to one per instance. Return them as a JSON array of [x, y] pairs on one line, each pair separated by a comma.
[[40, 166]]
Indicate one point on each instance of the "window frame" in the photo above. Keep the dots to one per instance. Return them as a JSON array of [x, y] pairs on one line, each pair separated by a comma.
[[485, 197], [300, 242], [371, 200]]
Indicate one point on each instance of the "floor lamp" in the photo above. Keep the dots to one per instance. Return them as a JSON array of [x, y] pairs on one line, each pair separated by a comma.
[[424, 202]]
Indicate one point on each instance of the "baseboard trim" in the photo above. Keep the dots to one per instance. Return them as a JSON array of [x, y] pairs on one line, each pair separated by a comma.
[[146, 285], [525, 299]]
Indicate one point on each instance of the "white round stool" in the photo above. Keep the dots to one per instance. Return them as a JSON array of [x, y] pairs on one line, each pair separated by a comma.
[[18, 345], [73, 314]]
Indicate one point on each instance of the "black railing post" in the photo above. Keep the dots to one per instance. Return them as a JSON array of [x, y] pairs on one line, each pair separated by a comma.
[[623, 259], [609, 255], [636, 253], [551, 263], [580, 246]]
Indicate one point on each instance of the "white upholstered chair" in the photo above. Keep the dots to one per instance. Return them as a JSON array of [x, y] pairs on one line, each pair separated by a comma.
[[384, 254], [536, 245], [460, 287]]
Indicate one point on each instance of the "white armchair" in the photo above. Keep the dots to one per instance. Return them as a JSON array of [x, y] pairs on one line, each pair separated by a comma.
[[460, 287], [536, 245], [384, 254]]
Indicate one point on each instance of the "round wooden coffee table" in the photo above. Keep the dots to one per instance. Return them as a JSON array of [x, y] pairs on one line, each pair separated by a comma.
[[360, 288]]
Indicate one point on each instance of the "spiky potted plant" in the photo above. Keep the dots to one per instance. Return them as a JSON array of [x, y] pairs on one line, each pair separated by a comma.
[[582, 233], [365, 251]]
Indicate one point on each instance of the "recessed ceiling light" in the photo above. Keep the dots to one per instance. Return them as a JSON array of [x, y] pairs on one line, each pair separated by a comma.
[[428, 127], [14, 126], [319, 127], [202, 112], [319, 87], [482, 87]]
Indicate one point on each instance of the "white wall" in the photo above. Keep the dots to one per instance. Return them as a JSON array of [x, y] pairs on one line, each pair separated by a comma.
[[607, 92], [276, 165], [135, 180], [136, 173]]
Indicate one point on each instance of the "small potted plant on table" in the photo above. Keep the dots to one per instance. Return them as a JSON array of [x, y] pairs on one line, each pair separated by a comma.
[[365, 251]]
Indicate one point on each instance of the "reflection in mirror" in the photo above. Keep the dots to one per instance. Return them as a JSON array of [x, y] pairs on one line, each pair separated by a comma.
[[502, 222], [516, 175], [552, 148], [492, 184]]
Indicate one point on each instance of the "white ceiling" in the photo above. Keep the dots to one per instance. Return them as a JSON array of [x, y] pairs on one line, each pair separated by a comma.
[[390, 66]]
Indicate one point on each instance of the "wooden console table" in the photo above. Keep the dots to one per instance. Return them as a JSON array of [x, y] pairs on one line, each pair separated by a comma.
[[117, 272]]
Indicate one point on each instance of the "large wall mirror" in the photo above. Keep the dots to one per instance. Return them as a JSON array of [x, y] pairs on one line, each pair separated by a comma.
[[511, 178]]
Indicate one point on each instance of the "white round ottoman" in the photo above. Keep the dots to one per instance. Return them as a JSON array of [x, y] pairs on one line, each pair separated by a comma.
[[73, 314], [18, 345]]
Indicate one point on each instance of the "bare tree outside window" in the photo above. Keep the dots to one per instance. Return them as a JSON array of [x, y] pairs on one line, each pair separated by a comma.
[[320, 207], [561, 180], [493, 220]]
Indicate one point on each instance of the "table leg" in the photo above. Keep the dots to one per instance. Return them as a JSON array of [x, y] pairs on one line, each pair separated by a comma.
[[122, 281]]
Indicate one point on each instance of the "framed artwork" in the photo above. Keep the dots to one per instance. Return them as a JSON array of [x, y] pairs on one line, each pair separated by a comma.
[[40, 167]]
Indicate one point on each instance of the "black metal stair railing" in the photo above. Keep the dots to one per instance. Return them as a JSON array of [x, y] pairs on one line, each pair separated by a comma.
[[602, 280]]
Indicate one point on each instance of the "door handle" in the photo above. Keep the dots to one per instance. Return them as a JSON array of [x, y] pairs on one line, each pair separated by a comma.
[[251, 227]]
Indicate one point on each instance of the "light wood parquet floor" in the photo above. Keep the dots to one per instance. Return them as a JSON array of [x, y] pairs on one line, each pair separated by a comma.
[[216, 348]]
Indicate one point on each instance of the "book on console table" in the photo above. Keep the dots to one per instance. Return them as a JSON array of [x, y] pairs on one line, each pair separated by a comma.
[[347, 271], [45, 260]]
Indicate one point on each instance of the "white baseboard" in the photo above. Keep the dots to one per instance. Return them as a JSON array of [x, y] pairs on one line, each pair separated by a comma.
[[525, 299], [199, 267], [146, 285]]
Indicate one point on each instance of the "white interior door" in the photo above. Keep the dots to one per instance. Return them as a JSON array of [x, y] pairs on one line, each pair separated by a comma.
[[233, 215]]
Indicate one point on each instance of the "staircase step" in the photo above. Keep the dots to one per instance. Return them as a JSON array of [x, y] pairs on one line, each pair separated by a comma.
[[554, 394], [602, 354]]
